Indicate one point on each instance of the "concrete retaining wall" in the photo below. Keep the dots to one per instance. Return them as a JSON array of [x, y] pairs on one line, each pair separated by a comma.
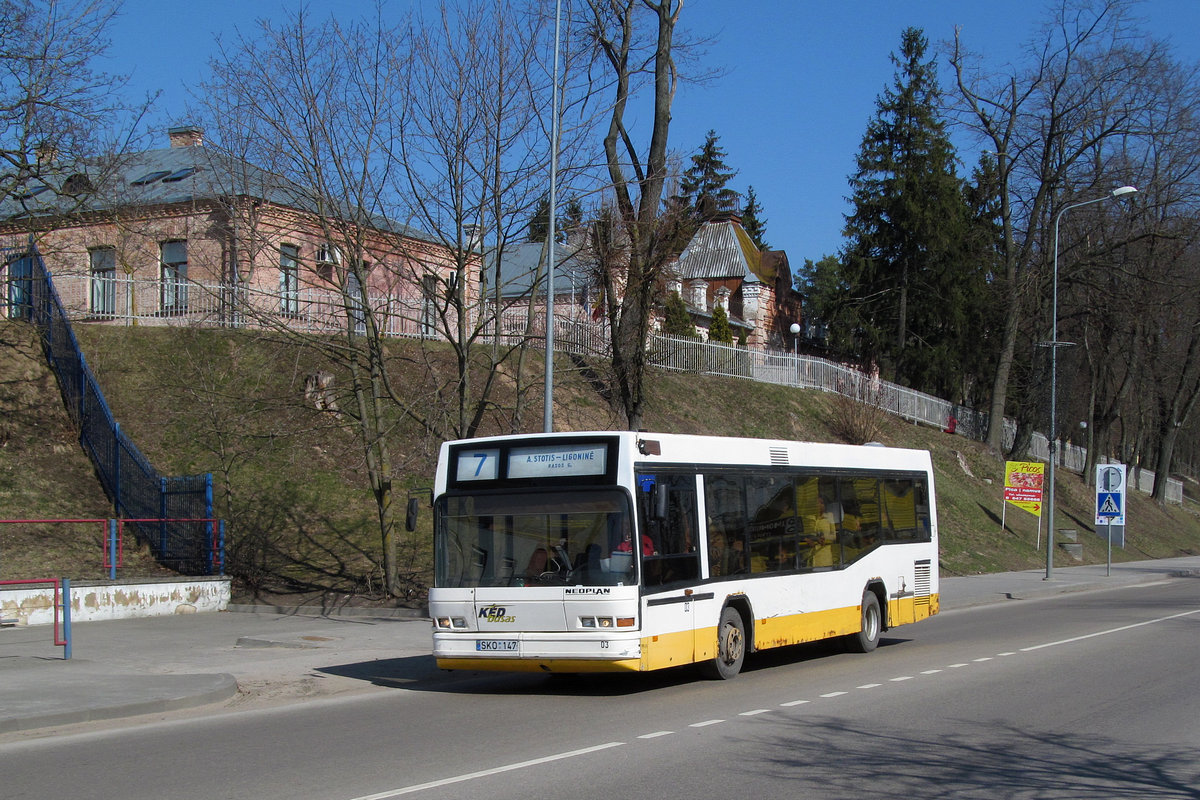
[[99, 601]]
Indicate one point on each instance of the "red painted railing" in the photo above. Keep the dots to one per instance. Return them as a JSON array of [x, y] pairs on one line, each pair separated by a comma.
[[62, 608]]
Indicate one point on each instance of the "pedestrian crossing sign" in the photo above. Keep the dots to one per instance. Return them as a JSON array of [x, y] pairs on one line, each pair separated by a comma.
[[1110, 494], [1110, 505]]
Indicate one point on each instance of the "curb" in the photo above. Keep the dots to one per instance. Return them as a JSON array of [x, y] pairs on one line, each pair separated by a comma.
[[398, 612], [1054, 588], [213, 688]]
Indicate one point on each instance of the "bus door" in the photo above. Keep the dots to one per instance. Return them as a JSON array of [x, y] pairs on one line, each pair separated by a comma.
[[670, 557]]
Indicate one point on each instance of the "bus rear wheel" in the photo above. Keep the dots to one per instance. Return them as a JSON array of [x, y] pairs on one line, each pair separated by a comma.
[[867, 638], [731, 647]]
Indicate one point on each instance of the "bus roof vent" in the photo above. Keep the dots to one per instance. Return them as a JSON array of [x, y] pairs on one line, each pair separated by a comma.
[[779, 457]]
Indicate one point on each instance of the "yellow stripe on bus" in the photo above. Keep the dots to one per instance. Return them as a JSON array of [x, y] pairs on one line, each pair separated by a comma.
[[686, 647]]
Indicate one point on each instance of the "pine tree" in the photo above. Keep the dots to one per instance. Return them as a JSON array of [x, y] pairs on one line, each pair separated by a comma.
[[539, 223], [904, 261], [676, 319], [704, 182], [753, 221], [719, 330], [572, 216]]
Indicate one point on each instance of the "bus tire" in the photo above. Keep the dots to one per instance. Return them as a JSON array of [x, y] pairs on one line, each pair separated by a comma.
[[731, 647], [867, 638]]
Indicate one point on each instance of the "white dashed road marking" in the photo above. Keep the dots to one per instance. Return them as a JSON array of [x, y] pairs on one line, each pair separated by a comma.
[[655, 735], [751, 713]]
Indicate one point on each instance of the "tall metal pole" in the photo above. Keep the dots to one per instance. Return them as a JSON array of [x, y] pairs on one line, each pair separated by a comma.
[[1054, 345], [548, 401]]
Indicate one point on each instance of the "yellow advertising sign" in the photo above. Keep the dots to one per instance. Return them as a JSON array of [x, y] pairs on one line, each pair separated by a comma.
[[1023, 485]]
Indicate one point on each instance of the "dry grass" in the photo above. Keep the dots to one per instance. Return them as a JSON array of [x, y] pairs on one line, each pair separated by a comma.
[[290, 483]]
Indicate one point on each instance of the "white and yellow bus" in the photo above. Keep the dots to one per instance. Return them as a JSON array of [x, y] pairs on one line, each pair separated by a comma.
[[622, 551]]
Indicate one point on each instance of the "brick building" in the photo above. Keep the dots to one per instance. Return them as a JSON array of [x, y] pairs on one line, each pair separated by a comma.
[[722, 266], [188, 234]]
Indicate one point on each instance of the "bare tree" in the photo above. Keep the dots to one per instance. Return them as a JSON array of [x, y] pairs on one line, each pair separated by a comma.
[[473, 159], [351, 127], [635, 239], [54, 106], [1084, 85], [313, 106], [64, 125]]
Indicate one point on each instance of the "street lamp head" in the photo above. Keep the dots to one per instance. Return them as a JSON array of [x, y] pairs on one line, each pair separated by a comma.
[[795, 328], [1121, 191]]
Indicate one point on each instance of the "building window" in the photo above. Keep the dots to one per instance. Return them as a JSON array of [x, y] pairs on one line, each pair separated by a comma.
[[174, 276], [329, 254], [289, 280], [328, 258], [18, 275], [103, 262], [699, 294]]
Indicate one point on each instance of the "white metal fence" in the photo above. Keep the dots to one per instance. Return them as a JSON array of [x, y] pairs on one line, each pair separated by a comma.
[[122, 300]]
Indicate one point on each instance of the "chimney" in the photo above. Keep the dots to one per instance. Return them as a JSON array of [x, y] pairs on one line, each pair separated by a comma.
[[728, 206], [186, 136]]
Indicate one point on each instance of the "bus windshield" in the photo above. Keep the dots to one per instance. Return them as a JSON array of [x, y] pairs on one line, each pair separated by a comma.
[[547, 538]]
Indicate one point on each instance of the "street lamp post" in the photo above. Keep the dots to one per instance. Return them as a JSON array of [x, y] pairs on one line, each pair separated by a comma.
[[1120, 191], [795, 329]]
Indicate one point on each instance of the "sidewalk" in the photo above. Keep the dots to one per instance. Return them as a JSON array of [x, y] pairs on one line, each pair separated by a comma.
[[125, 668]]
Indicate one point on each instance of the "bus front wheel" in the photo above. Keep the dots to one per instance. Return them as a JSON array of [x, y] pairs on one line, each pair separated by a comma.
[[867, 638], [731, 647]]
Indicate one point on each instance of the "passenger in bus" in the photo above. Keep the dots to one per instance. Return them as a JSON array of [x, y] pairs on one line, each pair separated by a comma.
[[537, 563], [626, 545], [820, 529]]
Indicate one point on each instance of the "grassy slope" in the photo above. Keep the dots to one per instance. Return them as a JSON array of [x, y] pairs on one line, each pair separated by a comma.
[[44, 474], [289, 479]]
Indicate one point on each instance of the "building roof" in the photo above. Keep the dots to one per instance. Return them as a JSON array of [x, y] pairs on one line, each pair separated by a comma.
[[721, 248], [573, 268], [183, 173]]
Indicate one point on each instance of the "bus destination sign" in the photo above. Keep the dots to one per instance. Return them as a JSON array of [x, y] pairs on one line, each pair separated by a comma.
[[556, 461]]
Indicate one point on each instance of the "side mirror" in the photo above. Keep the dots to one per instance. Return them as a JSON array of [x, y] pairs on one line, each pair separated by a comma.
[[659, 495], [411, 513]]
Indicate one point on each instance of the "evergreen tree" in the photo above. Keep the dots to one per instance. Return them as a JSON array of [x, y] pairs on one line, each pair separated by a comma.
[[676, 319], [821, 285], [572, 216], [539, 223], [704, 182], [753, 221], [719, 330], [904, 263]]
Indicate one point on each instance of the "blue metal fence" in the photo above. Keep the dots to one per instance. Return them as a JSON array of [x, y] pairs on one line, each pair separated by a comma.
[[178, 537]]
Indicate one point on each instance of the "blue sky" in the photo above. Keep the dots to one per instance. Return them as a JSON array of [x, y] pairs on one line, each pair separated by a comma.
[[800, 80]]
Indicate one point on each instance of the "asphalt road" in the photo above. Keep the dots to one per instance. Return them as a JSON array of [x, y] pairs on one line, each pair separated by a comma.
[[1088, 695]]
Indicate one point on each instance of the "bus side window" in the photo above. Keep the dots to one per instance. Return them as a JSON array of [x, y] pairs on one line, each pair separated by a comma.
[[850, 524], [725, 508], [682, 559], [771, 502], [899, 508]]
